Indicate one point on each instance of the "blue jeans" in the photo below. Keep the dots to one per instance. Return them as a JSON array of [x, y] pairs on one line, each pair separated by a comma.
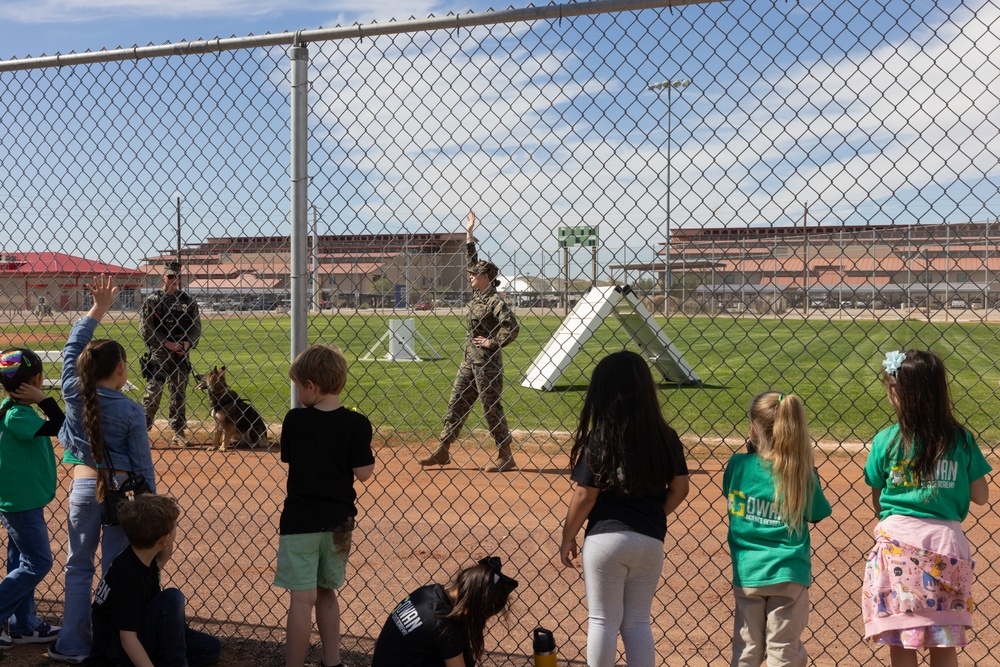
[[167, 639], [29, 559], [85, 531]]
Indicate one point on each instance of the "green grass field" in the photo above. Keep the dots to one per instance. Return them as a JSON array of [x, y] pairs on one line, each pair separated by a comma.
[[833, 365]]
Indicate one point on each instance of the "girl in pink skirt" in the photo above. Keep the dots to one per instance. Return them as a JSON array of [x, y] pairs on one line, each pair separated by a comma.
[[924, 471]]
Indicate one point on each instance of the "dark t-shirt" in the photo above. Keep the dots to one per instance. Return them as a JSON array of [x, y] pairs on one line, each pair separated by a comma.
[[121, 597], [321, 450], [617, 513], [417, 635]]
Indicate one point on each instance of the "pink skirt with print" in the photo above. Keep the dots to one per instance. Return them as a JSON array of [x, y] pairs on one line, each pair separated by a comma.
[[919, 575]]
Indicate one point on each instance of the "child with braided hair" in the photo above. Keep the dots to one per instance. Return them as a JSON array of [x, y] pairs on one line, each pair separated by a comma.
[[27, 485], [104, 435]]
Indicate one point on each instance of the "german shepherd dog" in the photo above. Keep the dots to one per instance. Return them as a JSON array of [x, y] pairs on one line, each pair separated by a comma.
[[236, 421]]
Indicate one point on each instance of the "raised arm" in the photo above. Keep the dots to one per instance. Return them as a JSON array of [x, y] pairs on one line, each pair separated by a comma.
[[470, 225], [104, 292]]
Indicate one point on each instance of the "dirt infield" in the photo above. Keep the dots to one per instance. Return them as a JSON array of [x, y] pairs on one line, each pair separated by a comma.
[[421, 525], [8, 339]]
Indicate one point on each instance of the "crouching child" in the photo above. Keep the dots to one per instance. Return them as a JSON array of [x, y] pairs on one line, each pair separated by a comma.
[[135, 622]]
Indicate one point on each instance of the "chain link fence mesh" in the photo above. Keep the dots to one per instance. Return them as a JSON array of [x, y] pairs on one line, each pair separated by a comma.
[[813, 186]]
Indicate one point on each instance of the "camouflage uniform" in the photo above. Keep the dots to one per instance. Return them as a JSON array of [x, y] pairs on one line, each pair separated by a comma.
[[169, 318], [481, 373]]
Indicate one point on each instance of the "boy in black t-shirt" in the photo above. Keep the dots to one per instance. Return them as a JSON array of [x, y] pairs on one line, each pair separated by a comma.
[[326, 447], [136, 623]]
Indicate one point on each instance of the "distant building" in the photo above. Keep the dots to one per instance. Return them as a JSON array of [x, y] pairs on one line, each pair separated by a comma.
[[54, 282], [349, 266], [873, 265]]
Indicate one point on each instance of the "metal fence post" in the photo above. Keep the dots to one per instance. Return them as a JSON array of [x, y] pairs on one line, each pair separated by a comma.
[[299, 278]]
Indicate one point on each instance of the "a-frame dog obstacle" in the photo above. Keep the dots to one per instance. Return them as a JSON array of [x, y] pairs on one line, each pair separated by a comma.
[[586, 317], [402, 344]]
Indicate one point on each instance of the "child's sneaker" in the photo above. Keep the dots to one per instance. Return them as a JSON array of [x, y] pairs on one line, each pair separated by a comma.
[[43, 634], [61, 657], [5, 642]]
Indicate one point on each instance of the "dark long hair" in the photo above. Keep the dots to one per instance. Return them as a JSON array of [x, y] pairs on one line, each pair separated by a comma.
[[98, 361], [478, 599], [927, 428], [622, 433], [17, 366]]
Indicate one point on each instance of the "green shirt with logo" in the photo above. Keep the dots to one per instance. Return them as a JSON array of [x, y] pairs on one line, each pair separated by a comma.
[[763, 549], [946, 498], [27, 461]]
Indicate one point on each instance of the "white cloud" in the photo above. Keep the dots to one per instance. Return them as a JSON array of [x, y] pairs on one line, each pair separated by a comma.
[[901, 118]]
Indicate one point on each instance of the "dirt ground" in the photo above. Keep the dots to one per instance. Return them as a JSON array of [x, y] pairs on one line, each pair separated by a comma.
[[422, 525]]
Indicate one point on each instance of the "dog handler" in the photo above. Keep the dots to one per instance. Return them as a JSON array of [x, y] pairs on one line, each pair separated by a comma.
[[492, 326], [171, 328]]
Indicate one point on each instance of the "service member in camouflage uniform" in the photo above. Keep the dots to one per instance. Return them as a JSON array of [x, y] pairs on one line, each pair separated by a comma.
[[171, 327], [492, 326]]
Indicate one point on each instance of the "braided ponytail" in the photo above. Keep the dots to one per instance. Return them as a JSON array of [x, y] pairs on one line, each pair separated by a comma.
[[98, 361]]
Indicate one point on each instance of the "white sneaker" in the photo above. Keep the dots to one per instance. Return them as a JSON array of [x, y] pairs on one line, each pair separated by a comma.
[[71, 659], [5, 642]]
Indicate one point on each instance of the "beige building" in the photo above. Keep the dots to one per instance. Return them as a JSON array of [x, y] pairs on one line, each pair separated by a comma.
[[348, 267], [867, 266]]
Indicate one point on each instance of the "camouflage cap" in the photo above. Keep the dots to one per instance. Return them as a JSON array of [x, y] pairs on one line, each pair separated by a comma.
[[172, 268], [482, 266]]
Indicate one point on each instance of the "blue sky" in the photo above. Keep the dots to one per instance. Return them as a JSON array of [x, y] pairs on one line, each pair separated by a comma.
[[30, 27], [877, 113]]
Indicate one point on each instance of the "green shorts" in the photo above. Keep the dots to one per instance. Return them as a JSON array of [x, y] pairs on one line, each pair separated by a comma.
[[311, 560]]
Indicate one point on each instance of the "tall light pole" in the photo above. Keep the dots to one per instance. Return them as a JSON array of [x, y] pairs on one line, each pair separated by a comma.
[[670, 85]]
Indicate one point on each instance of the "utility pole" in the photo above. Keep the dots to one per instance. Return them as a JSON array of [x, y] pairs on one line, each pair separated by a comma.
[[805, 261]]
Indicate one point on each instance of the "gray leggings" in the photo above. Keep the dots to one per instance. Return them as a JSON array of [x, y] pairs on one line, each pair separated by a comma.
[[621, 572]]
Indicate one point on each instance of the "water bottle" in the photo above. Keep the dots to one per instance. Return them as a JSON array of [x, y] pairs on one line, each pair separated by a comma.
[[544, 646]]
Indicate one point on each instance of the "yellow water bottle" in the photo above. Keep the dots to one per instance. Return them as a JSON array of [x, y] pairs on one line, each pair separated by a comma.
[[544, 646]]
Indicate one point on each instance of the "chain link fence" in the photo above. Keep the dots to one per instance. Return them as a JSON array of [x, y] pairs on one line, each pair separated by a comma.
[[811, 187]]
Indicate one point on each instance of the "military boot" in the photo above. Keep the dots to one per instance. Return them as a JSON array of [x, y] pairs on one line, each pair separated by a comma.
[[504, 462], [439, 457]]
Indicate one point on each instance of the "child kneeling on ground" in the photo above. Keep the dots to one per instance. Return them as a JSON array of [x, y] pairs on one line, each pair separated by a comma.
[[136, 623]]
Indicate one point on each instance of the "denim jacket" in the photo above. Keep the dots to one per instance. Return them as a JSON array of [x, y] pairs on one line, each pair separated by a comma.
[[126, 443]]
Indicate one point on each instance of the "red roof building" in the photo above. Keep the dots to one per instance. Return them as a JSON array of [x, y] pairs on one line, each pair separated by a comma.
[[54, 281]]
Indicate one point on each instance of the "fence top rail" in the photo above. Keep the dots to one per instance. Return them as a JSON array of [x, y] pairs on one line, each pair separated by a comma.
[[356, 31]]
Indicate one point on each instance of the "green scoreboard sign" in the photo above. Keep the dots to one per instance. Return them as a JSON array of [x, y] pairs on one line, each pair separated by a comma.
[[585, 237]]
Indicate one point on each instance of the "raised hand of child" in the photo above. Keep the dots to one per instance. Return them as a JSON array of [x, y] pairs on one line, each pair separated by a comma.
[[104, 292], [27, 394]]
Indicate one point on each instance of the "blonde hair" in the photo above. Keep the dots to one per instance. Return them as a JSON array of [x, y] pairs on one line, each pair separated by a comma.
[[783, 440], [323, 365]]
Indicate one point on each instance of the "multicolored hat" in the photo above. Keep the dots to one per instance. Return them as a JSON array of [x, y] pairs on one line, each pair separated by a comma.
[[10, 362], [172, 268]]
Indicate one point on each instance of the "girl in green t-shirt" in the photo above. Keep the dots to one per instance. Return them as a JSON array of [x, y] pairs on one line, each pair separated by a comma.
[[924, 471], [27, 485], [772, 493]]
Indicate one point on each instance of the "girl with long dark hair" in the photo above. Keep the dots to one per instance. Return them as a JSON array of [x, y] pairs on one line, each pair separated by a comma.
[[630, 473]]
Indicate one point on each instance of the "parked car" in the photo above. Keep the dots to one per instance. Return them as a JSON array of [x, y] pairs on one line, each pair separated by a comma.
[[423, 305], [958, 303]]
